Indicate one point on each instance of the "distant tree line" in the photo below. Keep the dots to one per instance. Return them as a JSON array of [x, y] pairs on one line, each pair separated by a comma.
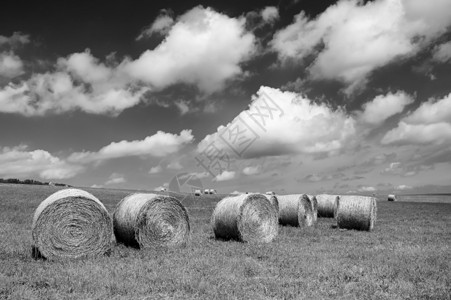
[[31, 181]]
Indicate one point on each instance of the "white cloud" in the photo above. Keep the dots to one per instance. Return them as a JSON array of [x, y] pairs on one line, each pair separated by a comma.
[[183, 107], [80, 82], [367, 189], [393, 168], [158, 145], [86, 67], [10, 65], [406, 133], [161, 25], [225, 176], [364, 36], [252, 170], [442, 53], [175, 165], [115, 178], [15, 40], [155, 170], [201, 175], [19, 162], [270, 14], [203, 48], [430, 123], [403, 187], [295, 125], [384, 106], [431, 112]]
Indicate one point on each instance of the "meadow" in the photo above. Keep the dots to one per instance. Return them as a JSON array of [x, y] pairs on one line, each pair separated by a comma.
[[407, 256]]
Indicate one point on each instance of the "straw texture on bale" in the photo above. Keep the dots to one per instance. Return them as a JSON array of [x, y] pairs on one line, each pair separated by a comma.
[[392, 198], [70, 224], [327, 205], [295, 210], [151, 221], [314, 202], [247, 218], [274, 201], [357, 212]]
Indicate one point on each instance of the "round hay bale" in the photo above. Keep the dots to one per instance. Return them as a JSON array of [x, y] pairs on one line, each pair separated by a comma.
[[327, 205], [391, 197], [274, 201], [246, 218], [151, 221], [314, 202], [71, 223], [295, 210], [357, 212]]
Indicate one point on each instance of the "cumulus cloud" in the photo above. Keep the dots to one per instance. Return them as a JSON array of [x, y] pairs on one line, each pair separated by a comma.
[[225, 176], [184, 107], [80, 82], [202, 48], [403, 187], [363, 35], [429, 123], [21, 162], [393, 168], [279, 123], [270, 14], [10, 65], [402, 169], [367, 189], [158, 145], [326, 176], [175, 165], [384, 106], [161, 25], [252, 170], [201, 175], [442, 53], [115, 178], [155, 170], [15, 40], [405, 133]]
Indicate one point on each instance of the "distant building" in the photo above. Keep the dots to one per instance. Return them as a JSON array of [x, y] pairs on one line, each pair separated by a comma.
[[197, 192]]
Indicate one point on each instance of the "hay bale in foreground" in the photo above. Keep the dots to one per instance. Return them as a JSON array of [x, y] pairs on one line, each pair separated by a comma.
[[357, 212], [247, 218], [314, 202], [327, 205], [391, 197], [151, 221], [71, 223], [295, 210]]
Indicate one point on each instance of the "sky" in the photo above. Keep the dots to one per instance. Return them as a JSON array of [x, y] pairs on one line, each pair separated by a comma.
[[290, 96]]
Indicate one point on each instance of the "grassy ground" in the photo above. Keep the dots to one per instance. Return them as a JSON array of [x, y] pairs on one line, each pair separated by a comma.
[[408, 256]]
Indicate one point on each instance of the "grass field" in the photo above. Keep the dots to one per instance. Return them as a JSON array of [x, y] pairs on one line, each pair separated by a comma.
[[407, 256]]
